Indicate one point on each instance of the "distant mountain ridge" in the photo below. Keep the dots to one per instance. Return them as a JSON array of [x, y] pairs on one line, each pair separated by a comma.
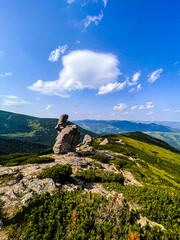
[[118, 126]]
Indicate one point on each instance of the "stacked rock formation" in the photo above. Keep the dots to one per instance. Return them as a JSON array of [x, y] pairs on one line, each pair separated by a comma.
[[68, 136]]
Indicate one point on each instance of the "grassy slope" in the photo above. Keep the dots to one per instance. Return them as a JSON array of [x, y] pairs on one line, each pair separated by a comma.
[[157, 164], [158, 170]]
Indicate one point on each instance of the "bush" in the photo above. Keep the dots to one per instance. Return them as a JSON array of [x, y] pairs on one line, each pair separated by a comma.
[[99, 158], [75, 215], [92, 175], [23, 159], [59, 173]]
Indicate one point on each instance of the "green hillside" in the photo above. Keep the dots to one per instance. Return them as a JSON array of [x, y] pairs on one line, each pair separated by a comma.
[[29, 129], [172, 138], [8, 146]]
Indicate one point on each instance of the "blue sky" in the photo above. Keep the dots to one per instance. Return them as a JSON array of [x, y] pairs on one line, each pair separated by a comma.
[[91, 59]]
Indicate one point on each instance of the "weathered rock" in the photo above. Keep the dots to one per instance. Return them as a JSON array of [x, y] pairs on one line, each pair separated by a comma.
[[85, 150], [67, 140], [104, 142], [26, 197], [11, 182], [62, 123], [87, 140]]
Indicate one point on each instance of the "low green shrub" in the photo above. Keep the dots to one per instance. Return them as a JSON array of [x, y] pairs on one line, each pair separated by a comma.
[[59, 173], [23, 159], [99, 158], [92, 175]]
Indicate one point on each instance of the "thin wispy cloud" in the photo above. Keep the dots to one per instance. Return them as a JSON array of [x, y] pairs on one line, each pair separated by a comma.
[[6, 74], [139, 87], [55, 54], [105, 2], [155, 75], [120, 107], [166, 109], [93, 19], [177, 111], [10, 100], [149, 113], [148, 105], [70, 1], [111, 87], [83, 69]]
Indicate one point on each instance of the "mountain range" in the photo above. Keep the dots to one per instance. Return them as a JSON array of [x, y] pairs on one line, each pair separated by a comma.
[[23, 133]]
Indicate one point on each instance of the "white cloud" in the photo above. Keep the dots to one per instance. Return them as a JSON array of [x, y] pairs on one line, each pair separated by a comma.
[[49, 107], [138, 87], [149, 113], [148, 105], [177, 111], [120, 107], [166, 110], [155, 75], [110, 87], [13, 101], [93, 19], [105, 2], [81, 69], [136, 76], [55, 54]]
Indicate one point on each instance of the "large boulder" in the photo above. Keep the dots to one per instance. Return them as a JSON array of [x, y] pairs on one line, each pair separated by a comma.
[[68, 137]]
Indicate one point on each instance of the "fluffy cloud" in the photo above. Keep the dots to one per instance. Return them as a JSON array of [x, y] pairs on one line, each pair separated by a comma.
[[120, 107], [82, 69], [12, 101], [93, 19], [155, 75], [55, 54], [110, 87], [148, 105], [49, 107]]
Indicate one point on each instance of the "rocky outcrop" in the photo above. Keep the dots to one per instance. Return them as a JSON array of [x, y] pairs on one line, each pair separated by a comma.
[[104, 142], [68, 136], [87, 140], [85, 148]]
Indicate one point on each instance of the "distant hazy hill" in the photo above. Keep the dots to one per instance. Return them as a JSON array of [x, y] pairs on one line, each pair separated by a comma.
[[166, 133], [116, 127], [29, 129]]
